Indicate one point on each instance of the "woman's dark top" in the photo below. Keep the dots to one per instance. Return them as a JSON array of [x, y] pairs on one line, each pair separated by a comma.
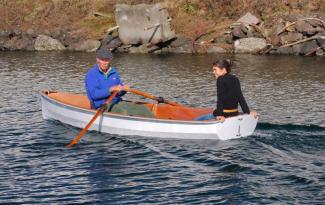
[[229, 95]]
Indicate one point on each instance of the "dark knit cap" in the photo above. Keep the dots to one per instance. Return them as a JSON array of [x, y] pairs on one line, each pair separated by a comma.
[[104, 54]]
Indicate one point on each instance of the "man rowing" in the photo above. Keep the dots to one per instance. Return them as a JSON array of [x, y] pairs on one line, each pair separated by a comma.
[[102, 80]]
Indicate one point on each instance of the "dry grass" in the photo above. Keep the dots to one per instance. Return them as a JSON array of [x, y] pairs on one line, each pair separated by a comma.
[[77, 15]]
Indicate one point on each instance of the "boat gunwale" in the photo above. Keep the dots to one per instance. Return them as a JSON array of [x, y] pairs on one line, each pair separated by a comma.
[[126, 117]]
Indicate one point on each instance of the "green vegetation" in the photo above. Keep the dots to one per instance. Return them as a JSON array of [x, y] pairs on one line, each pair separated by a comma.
[[281, 11], [189, 8]]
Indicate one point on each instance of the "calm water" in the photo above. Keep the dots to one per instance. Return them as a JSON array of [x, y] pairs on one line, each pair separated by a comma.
[[282, 163]]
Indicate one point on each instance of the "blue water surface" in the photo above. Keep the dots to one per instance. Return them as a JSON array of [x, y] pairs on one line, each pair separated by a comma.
[[283, 162]]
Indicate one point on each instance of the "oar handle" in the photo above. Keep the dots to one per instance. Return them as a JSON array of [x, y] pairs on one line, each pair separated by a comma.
[[147, 95], [99, 111]]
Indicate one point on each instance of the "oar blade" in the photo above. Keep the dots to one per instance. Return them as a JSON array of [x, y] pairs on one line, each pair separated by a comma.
[[85, 129]]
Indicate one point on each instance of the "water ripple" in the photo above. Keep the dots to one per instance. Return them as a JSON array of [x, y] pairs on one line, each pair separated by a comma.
[[282, 163]]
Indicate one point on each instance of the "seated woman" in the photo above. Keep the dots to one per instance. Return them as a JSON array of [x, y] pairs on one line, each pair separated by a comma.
[[228, 92]]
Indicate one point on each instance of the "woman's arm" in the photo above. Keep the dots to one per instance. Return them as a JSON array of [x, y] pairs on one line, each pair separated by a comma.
[[220, 95], [242, 100]]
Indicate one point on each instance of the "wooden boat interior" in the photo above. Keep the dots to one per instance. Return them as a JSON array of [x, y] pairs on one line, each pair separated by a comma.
[[160, 111]]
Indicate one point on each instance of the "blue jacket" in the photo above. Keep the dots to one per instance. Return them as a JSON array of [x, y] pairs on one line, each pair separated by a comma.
[[98, 85]]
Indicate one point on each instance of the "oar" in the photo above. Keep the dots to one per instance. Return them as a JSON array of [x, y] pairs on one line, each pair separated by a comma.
[[147, 95], [99, 111]]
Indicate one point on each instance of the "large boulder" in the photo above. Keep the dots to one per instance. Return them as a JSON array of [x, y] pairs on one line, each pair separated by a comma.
[[46, 43], [143, 24], [249, 45]]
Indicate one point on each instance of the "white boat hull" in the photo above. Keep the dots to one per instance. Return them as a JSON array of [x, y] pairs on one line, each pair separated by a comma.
[[233, 127]]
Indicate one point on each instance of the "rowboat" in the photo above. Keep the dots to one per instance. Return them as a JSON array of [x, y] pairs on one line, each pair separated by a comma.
[[170, 121]]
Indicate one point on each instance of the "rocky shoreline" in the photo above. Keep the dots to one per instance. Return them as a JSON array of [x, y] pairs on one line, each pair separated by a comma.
[[294, 35]]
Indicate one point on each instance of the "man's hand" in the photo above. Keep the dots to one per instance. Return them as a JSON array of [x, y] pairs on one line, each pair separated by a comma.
[[220, 118], [118, 88], [160, 99], [125, 87]]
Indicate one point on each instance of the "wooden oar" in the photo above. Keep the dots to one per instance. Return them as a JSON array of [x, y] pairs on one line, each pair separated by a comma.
[[147, 95], [99, 112]]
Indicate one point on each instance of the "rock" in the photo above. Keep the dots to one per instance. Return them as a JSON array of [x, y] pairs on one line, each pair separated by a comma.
[[3, 41], [181, 45], [284, 50], [123, 49], [66, 38], [315, 23], [298, 4], [305, 28], [18, 43], [181, 49], [244, 28], [143, 49], [275, 40], [181, 41], [139, 49], [30, 32], [291, 18], [321, 41], [111, 42], [229, 38], [17, 32], [46, 32], [278, 26], [308, 47], [4, 33], [320, 52], [238, 33], [87, 45], [133, 49], [46, 43], [249, 45], [142, 24], [248, 18], [216, 49], [291, 37], [153, 49], [296, 49], [56, 33]]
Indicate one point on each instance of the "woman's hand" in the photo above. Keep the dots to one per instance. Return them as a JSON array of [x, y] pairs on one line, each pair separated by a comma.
[[220, 118], [253, 113]]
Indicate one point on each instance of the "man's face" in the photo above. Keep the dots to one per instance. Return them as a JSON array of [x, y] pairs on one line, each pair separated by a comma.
[[103, 64]]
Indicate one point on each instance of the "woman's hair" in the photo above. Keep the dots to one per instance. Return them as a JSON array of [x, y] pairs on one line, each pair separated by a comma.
[[225, 63]]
